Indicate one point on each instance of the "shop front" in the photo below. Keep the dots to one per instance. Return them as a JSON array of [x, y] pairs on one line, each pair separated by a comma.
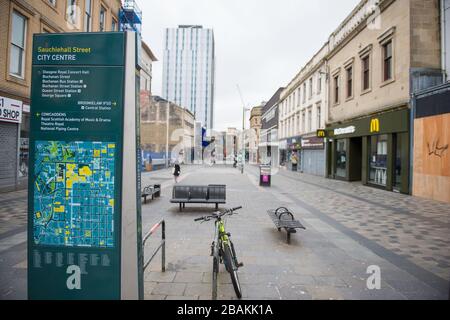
[[14, 133], [313, 156], [282, 150], [294, 153], [374, 150]]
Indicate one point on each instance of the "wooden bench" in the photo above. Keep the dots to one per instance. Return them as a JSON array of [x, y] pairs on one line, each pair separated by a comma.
[[284, 219], [153, 191], [211, 194]]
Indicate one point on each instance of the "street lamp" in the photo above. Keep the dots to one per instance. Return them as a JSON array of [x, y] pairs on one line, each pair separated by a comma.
[[244, 110]]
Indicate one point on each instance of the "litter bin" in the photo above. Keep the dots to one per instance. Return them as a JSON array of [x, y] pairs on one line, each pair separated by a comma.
[[157, 194], [265, 176]]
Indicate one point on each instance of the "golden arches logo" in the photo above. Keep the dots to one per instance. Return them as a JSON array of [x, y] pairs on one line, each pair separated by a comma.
[[321, 133], [375, 125]]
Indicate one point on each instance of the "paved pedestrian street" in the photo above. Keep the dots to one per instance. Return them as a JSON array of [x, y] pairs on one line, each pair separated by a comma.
[[349, 227]]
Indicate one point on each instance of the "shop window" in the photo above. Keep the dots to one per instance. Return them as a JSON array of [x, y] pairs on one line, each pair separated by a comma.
[[378, 159], [341, 158], [398, 163], [24, 145]]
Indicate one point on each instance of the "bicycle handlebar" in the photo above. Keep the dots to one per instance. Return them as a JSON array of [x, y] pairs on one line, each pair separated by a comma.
[[219, 215]]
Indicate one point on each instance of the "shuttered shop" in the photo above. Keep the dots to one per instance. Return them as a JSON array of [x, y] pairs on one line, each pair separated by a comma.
[[8, 156]]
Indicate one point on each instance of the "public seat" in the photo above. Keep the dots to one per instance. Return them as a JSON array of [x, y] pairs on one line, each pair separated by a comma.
[[284, 219], [211, 194], [153, 191]]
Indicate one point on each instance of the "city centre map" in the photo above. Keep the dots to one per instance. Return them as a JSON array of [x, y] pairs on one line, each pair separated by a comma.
[[74, 194]]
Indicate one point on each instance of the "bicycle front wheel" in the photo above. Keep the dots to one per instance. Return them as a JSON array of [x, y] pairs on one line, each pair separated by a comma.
[[231, 267], [215, 273]]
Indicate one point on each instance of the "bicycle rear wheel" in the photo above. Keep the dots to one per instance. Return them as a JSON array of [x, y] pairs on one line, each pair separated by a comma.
[[232, 268]]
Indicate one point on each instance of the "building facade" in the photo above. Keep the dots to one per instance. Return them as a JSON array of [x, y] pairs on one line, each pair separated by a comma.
[[19, 20], [146, 72], [167, 133], [254, 134], [189, 71], [381, 54], [268, 142], [303, 111]]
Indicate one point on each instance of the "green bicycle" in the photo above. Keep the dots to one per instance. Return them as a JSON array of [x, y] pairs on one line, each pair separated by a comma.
[[222, 251]]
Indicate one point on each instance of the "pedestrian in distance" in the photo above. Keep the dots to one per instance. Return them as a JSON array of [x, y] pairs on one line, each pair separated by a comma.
[[176, 171]]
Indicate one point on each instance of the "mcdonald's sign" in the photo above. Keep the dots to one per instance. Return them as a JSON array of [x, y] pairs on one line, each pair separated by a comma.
[[321, 133], [375, 125]]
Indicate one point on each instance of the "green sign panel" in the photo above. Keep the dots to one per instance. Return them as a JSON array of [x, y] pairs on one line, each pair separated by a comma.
[[74, 214]]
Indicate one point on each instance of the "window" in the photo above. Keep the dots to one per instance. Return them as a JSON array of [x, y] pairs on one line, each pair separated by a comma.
[[336, 89], [310, 88], [303, 121], [378, 159], [309, 119], [88, 16], [102, 18], [341, 158], [304, 92], [366, 73], [319, 84], [349, 82], [72, 11], [298, 96], [18, 40], [114, 25], [387, 56], [319, 116]]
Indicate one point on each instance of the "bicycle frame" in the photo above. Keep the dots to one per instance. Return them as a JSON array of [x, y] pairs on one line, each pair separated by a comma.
[[220, 237]]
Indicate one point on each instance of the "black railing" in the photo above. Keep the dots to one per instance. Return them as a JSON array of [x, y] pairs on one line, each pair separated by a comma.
[[162, 245]]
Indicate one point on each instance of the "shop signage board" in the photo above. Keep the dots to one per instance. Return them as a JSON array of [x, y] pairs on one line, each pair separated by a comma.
[[385, 123], [10, 110], [313, 143], [76, 200]]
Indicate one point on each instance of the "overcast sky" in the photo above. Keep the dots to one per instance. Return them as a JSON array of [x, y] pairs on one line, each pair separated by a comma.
[[260, 44]]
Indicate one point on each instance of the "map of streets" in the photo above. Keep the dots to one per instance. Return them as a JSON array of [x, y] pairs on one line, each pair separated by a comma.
[[74, 194]]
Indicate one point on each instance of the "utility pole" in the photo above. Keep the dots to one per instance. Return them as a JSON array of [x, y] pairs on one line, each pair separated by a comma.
[[244, 109], [167, 133]]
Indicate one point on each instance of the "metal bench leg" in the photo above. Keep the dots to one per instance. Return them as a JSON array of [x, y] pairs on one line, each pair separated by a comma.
[[184, 205], [288, 237], [145, 199], [217, 206], [181, 207]]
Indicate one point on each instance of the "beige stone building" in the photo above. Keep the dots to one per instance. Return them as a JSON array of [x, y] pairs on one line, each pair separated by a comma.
[[146, 72], [254, 134], [382, 53], [19, 20], [167, 133]]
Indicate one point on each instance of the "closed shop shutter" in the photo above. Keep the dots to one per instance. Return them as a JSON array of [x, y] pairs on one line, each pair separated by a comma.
[[314, 162], [8, 155]]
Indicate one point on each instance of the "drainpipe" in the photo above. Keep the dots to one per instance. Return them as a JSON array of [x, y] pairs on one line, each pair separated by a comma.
[[443, 43], [411, 142]]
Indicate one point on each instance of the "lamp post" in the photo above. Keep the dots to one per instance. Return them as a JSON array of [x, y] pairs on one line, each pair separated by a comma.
[[243, 138]]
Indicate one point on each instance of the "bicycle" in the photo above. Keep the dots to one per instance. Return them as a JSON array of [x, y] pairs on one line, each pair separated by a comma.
[[222, 251]]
